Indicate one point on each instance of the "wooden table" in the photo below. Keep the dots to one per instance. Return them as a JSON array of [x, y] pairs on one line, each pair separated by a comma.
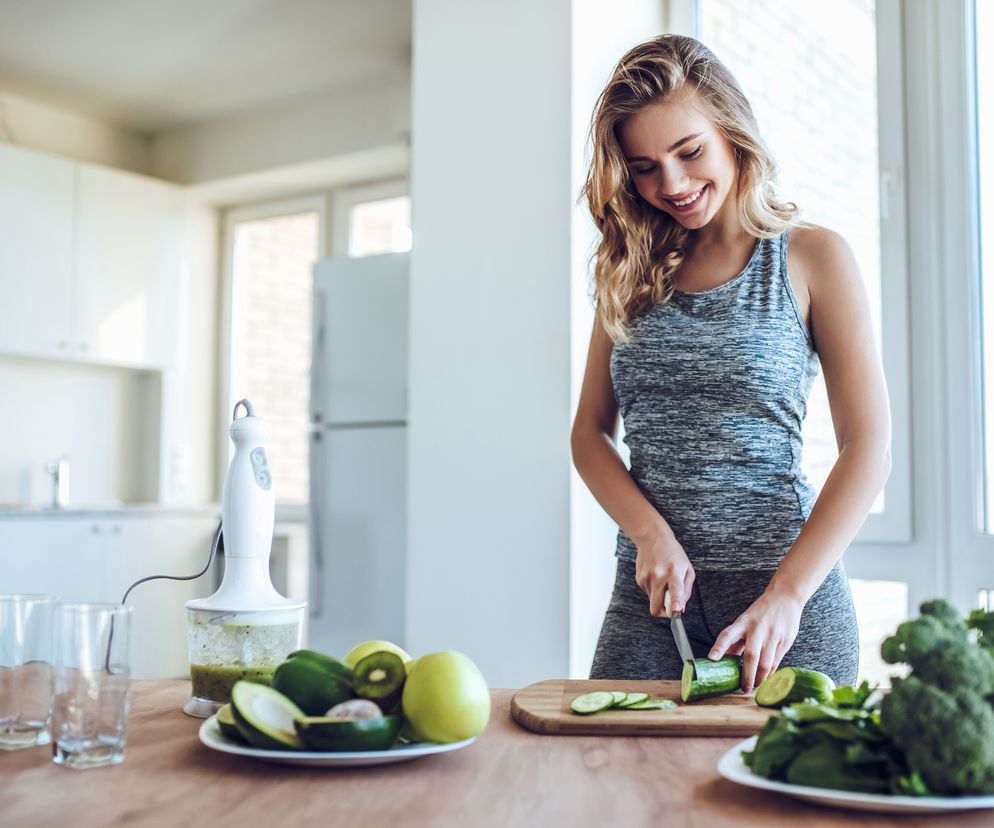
[[508, 777]]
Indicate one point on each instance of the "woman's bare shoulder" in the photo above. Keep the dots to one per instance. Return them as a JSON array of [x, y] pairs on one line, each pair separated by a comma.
[[818, 256]]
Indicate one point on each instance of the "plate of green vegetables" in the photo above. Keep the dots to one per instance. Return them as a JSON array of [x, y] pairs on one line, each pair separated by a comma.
[[925, 745]]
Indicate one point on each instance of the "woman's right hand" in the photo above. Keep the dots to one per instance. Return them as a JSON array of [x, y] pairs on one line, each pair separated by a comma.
[[662, 566]]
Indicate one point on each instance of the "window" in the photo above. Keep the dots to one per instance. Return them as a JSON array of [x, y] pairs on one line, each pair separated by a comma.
[[810, 71], [372, 219], [984, 33], [272, 249]]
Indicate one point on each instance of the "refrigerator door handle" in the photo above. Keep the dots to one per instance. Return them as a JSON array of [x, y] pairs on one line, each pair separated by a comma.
[[316, 486], [317, 356]]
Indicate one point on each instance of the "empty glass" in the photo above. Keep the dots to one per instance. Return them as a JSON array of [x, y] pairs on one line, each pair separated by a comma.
[[93, 668], [26, 668]]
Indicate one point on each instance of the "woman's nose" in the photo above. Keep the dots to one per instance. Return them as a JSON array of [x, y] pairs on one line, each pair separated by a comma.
[[672, 181]]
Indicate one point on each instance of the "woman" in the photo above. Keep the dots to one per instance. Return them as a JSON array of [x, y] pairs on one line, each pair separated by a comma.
[[709, 331]]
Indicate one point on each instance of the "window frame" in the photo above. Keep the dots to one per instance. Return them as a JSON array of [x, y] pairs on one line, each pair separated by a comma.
[[231, 301], [344, 199]]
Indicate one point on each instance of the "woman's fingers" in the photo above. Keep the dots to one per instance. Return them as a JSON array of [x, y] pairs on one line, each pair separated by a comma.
[[729, 637]]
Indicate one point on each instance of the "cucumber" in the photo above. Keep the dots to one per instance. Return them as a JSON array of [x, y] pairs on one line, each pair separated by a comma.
[[632, 698], [703, 678], [619, 696], [794, 684], [592, 702], [652, 704]]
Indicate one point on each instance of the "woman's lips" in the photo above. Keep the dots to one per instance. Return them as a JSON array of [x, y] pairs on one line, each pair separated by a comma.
[[686, 208]]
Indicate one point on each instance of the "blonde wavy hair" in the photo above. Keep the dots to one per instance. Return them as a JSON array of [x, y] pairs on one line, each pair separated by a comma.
[[641, 247]]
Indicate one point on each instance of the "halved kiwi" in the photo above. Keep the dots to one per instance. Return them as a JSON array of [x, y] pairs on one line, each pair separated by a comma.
[[380, 677]]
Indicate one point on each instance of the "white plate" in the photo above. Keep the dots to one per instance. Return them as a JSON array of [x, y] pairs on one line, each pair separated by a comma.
[[212, 737], [734, 769]]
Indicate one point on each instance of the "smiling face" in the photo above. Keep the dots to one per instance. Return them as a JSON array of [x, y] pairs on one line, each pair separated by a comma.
[[680, 163]]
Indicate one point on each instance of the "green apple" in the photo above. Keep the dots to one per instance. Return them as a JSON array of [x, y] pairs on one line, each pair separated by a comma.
[[446, 698], [360, 651]]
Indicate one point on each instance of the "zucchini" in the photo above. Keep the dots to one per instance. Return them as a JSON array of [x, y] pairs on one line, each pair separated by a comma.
[[703, 678], [793, 684], [592, 702]]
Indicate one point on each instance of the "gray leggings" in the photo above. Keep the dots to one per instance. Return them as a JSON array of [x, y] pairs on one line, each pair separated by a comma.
[[635, 645]]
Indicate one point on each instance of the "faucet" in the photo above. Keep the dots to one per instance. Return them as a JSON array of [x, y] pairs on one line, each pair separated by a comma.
[[59, 469]]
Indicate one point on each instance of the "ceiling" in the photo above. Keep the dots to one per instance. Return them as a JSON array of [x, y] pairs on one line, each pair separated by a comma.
[[151, 64]]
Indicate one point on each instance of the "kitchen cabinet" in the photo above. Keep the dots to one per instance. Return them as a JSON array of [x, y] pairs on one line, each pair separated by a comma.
[[91, 261], [36, 251], [128, 263], [83, 558]]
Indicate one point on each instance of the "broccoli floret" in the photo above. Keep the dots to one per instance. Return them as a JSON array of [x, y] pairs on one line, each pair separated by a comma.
[[944, 612], [982, 621], [960, 665], [946, 735]]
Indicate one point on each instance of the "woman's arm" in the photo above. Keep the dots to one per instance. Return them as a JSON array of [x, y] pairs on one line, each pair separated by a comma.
[[661, 564], [843, 333]]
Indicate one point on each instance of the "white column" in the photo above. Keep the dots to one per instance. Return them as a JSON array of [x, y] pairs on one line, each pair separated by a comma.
[[502, 93]]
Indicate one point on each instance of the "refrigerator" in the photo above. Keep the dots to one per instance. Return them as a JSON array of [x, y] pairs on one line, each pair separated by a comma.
[[358, 452]]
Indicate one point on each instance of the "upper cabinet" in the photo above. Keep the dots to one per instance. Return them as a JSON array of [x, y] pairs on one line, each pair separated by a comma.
[[91, 262], [129, 267], [36, 255]]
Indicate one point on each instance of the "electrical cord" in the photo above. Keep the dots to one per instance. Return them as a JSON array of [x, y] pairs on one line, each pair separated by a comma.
[[216, 544]]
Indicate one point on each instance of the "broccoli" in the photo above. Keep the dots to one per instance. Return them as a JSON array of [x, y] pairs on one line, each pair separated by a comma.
[[983, 622], [947, 735], [940, 716]]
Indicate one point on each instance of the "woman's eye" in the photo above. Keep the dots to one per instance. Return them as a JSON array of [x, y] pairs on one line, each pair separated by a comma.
[[643, 172], [693, 154]]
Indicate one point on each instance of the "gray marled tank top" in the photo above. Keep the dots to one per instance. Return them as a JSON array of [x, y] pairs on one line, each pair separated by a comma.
[[713, 388]]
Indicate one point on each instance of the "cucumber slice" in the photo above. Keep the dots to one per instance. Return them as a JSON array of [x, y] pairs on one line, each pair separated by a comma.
[[794, 684], [633, 698], [653, 704], [619, 696], [592, 702], [265, 717], [703, 678]]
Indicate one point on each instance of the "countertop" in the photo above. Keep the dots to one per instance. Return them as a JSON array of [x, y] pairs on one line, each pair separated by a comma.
[[108, 510], [508, 777]]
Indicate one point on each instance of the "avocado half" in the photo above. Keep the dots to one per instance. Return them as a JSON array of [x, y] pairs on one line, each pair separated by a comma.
[[333, 734], [265, 717]]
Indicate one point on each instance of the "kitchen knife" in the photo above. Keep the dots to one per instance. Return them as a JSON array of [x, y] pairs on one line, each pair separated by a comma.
[[680, 637]]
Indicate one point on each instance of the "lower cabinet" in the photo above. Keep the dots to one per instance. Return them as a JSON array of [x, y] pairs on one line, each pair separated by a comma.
[[84, 559]]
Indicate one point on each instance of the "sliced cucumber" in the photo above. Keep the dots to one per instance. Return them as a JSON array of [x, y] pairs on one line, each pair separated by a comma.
[[619, 696], [652, 704], [592, 702], [703, 678], [794, 684], [633, 698], [265, 717]]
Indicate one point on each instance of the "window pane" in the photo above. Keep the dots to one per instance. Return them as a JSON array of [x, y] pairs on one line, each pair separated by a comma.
[[880, 607], [271, 343], [382, 226], [809, 69], [985, 136]]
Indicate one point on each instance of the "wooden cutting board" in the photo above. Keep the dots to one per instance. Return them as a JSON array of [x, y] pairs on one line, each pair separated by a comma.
[[544, 708]]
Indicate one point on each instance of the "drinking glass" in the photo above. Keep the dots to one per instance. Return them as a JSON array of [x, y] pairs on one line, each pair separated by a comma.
[[93, 668], [26, 660]]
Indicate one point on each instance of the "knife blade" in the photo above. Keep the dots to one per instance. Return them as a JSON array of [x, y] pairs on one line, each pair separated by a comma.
[[680, 636]]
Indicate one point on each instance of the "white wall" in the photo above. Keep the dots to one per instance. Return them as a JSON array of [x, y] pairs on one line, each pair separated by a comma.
[[30, 123], [602, 33], [499, 325], [340, 122], [488, 559]]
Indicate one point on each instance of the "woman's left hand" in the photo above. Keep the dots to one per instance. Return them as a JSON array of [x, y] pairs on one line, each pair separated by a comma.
[[761, 635]]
